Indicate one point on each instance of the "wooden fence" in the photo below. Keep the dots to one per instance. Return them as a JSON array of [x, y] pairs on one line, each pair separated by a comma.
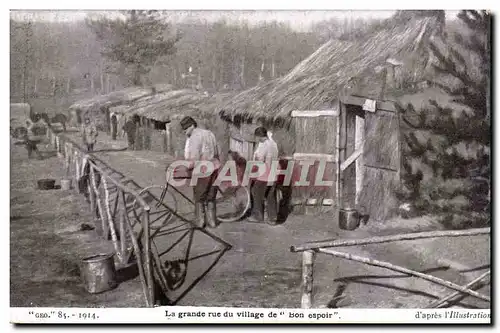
[[310, 249], [121, 214]]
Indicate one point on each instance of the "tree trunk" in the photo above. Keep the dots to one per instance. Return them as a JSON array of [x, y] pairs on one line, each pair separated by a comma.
[[273, 73], [53, 85], [35, 85], [101, 74], [68, 85], [92, 83], [242, 78], [137, 78], [214, 80]]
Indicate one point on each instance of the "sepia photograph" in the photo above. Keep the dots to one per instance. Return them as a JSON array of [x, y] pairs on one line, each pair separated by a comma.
[[246, 160]]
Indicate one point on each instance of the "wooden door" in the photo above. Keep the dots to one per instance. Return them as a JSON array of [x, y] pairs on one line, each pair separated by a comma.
[[381, 164]]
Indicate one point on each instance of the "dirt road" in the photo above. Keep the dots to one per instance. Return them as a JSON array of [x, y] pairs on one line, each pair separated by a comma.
[[47, 243], [260, 271]]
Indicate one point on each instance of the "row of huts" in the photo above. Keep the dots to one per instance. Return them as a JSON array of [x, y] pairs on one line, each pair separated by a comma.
[[337, 106]]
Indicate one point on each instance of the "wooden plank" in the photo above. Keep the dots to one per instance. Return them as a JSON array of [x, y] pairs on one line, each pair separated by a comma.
[[351, 159], [305, 156], [377, 197], [382, 147], [315, 140], [359, 144], [381, 105], [316, 113], [337, 158]]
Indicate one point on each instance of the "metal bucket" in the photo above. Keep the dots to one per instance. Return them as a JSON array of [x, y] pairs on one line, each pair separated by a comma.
[[65, 184], [349, 219], [98, 273]]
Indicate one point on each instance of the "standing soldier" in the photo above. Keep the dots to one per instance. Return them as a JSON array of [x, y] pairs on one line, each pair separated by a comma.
[[264, 187], [32, 136], [130, 128], [114, 126], [201, 145], [89, 134]]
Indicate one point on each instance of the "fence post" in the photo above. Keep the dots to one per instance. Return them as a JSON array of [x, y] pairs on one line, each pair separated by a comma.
[[307, 278], [168, 135], [147, 259]]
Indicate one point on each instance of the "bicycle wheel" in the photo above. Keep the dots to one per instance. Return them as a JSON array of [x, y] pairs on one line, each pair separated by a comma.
[[232, 203], [161, 209]]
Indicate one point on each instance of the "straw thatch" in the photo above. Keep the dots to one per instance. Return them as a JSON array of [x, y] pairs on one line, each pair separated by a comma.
[[118, 97], [175, 104], [337, 68]]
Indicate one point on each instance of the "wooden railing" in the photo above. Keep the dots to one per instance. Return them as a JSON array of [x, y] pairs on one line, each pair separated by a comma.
[[121, 214], [309, 251]]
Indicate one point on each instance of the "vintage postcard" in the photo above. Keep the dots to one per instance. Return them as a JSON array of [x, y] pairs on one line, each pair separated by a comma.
[[246, 166]]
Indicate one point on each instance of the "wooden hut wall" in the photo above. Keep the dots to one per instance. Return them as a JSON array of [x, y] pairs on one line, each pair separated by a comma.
[[382, 163], [315, 135], [243, 137], [158, 140]]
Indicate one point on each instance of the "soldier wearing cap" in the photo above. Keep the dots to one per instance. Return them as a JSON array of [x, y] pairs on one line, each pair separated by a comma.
[[264, 187], [201, 145]]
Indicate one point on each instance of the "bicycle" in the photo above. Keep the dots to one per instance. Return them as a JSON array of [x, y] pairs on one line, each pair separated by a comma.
[[232, 201]]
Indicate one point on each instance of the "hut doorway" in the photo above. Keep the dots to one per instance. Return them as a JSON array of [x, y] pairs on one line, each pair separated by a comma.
[[369, 156], [352, 136], [357, 145]]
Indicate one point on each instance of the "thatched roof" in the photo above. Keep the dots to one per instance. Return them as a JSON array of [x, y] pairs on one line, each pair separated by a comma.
[[118, 97], [172, 104], [337, 68]]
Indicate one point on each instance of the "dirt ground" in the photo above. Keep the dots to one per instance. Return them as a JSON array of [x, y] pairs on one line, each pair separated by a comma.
[[258, 271], [47, 243]]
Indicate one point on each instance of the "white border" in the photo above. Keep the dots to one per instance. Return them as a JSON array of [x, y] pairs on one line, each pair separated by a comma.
[[307, 5]]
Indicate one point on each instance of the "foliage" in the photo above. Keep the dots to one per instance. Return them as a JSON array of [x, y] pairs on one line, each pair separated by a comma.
[[453, 143], [137, 41]]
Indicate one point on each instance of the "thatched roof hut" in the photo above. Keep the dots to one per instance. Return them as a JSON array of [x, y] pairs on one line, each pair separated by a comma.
[[173, 104], [341, 68], [118, 97]]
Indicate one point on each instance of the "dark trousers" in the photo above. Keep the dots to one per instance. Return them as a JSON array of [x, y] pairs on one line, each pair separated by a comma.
[[113, 132], [31, 146], [262, 193], [90, 147], [203, 190], [131, 140]]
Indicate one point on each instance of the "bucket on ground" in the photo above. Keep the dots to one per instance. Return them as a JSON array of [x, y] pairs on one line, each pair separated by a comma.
[[46, 184], [349, 219], [65, 184], [98, 273]]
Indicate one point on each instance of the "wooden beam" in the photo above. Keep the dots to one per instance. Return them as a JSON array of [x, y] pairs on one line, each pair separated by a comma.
[[400, 269], [381, 105], [354, 156], [315, 113], [307, 279], [359, 140], [470, 285], [305, 156], [314, 202], [337, 157], [391, 238]]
